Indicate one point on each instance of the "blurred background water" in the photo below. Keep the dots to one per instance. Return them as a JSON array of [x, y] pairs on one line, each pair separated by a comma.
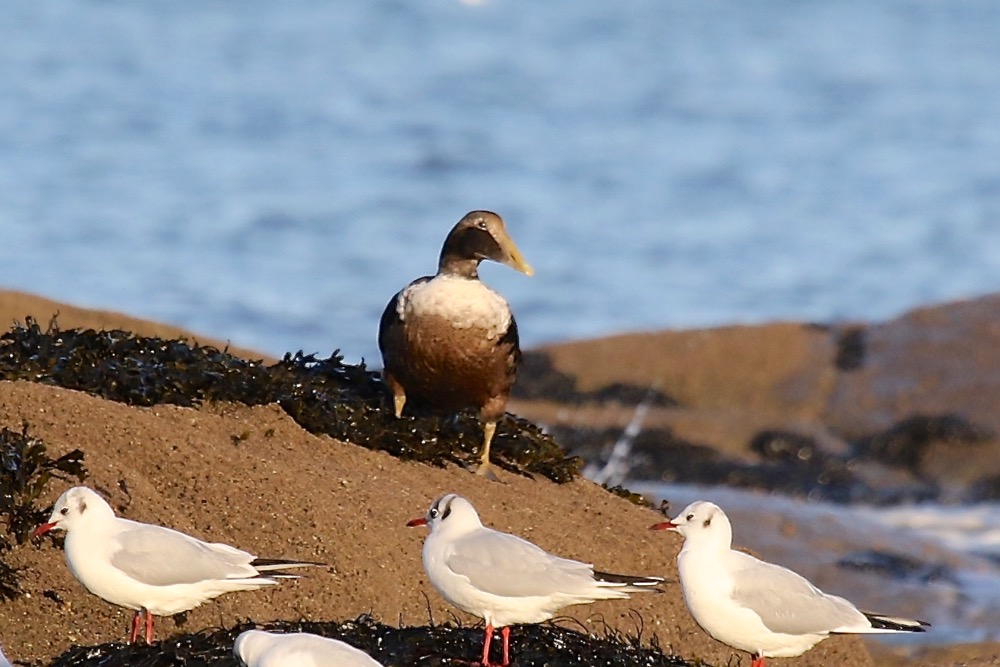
[[271, 173]]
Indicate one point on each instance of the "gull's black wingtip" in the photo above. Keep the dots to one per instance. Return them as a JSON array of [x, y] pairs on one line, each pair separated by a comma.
[[895, 624]]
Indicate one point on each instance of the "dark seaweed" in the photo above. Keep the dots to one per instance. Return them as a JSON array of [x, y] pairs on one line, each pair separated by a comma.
[[852, 347], [784, 446], [904, 444], [347, 402], [898, 566], [25, 472], [788, 462], [538, 379], [622, 492], [434, 646], [986, 489]]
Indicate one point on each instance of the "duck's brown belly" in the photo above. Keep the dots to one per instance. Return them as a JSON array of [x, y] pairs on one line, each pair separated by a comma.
[[446, 368]]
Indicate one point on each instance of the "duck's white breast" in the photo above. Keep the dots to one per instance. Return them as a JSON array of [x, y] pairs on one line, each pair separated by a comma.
[[463, 302]]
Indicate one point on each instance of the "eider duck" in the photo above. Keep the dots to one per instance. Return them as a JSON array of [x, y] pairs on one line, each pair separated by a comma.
[[449, 342]]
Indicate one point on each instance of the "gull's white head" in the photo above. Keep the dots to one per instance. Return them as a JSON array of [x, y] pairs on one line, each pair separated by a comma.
[[257, 648], [701, 522], [77, 506], [250, 644], [451, 513]]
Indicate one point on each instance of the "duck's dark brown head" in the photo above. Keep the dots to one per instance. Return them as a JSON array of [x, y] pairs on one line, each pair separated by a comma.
[[479, 235]]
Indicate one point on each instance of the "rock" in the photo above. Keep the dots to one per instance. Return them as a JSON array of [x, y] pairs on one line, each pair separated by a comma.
[[905, 409]]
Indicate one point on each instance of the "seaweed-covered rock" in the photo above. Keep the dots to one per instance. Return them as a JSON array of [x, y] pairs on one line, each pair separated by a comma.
[[851, 349], [548, 645], [789, 462], [537, 378], [898, 566], [985, 489], [904, 444], [326, 396], [25, 472]]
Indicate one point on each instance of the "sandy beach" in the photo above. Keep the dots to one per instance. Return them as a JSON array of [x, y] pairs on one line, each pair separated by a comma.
[[250, 476]]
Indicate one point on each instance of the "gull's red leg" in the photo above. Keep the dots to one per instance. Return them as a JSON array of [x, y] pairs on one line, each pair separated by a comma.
[[506, 645], [486, 643], [149, 627], [134, 634], [758, 661]]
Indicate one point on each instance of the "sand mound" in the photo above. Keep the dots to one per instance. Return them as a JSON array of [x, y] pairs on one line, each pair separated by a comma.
[[252, 477]]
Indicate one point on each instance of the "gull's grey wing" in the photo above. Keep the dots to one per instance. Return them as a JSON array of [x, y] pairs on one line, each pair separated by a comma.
[[506, 565], [160, 556], [787, 602]]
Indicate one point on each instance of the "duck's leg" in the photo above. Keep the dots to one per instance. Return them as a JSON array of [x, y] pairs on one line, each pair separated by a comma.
[[398, 394], [485, 468]]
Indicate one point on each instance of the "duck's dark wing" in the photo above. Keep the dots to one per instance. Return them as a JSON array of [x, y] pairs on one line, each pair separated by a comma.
[[511, 341], [390, 323]]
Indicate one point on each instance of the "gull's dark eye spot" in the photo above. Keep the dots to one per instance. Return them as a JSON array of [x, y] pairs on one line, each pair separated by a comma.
[[433, 513], [689, 517], [64, 511], [707, 522], [447, 511]]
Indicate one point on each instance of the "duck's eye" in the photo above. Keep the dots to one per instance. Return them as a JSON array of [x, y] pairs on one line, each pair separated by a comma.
[[689, 517], [64, 511], [482, 224]]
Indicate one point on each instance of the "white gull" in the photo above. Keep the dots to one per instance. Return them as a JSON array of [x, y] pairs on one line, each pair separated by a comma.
[[148, 568], [256, 648], [755, 606], [504, 579]]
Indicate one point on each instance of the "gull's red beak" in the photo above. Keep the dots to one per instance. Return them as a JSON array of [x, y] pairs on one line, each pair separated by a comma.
[[42, 529], [417, 522], [665, 525]]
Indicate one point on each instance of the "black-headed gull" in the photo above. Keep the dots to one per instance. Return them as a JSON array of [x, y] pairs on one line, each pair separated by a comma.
[[151, 569], [755, 606], [506, 580], [256, 648]]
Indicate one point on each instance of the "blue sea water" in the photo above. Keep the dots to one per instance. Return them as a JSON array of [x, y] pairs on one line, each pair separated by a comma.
[[271, 173]]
